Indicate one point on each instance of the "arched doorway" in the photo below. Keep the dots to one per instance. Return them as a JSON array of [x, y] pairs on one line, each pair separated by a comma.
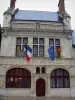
[[40, 87]]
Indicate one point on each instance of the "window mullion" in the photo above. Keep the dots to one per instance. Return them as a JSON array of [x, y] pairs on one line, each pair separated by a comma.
[[38, 47], [54, 45], [22, 44]]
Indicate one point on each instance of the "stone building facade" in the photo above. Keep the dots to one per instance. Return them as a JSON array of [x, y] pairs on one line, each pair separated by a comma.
[[40, 78]]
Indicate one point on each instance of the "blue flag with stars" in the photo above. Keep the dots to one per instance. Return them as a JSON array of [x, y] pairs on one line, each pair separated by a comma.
[[51, 52]]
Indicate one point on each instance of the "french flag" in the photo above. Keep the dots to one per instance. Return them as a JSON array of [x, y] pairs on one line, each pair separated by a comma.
[[28, 51]]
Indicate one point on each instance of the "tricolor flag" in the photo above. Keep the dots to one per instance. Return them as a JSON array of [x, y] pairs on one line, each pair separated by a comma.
[[51, 52], [28, 51]]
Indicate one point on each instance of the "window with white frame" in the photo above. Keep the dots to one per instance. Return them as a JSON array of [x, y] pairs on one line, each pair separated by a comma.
[[56, 43], [38, 47], [20, 43]]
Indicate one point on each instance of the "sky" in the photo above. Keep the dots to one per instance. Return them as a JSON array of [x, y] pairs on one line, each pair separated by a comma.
[[40, 5]]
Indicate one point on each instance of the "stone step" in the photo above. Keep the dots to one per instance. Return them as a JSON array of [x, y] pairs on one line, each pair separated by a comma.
[[34, 98]]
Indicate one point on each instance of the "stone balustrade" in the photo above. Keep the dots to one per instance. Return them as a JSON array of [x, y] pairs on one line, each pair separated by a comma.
[[35, 26]]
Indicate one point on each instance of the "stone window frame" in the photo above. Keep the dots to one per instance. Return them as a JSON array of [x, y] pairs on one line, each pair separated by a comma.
[[38, 45], [37, 70], [18, 78], [56, 46], [43, 70], [59, 78], [20, 43]]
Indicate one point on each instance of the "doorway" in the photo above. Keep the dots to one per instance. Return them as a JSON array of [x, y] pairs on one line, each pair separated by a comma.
[[40, 87]]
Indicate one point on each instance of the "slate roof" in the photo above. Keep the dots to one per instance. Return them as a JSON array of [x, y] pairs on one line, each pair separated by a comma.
[[39, 16], [73, 38], [36, 15]]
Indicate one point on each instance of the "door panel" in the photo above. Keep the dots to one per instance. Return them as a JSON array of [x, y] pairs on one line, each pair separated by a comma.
[[40, 87]]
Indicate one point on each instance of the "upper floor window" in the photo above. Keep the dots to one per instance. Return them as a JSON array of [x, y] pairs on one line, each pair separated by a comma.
[[59, 79], [56, 43], [38, 47], [20, 43]]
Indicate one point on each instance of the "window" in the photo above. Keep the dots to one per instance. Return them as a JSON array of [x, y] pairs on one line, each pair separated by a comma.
[[38, 47], [43, 70], [20, 43], [37, 70], [56, 43], [18, 78], [60, 79]]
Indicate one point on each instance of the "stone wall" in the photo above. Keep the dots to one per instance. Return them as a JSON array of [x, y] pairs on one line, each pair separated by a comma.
[[7, 63]]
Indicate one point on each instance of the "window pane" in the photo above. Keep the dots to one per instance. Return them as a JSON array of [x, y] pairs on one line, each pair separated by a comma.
[[41, 54], [51, 42], [43, 70], [57, 42], [37, 70], [57, 53], [20, 72], [25, 40], [58, 82], [41, 40], [65, 73], [61, 82], [61, 72], [35, 54], [26, 83], [35, 50], [35, 40], [18, 41], [26, 73], [24, 50], [16, 72], [18, 50], [20, 82], [52, 82], [16, 82], [66, 82], [53, 73], [57, 72], [41, 50], [35, 47]]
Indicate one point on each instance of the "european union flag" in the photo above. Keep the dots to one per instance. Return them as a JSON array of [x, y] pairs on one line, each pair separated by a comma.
[[51, 52]]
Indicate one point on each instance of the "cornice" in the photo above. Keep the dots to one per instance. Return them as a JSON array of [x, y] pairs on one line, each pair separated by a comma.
[[31, 32]]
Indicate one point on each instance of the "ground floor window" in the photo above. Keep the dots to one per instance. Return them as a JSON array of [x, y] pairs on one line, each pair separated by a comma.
[[18, 78], [59, 79]]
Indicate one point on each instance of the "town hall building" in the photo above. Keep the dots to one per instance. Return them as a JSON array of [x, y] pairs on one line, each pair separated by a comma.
[[40, 78]]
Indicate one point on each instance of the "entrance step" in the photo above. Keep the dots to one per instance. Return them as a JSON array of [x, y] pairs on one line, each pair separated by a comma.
[[34, 98]]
